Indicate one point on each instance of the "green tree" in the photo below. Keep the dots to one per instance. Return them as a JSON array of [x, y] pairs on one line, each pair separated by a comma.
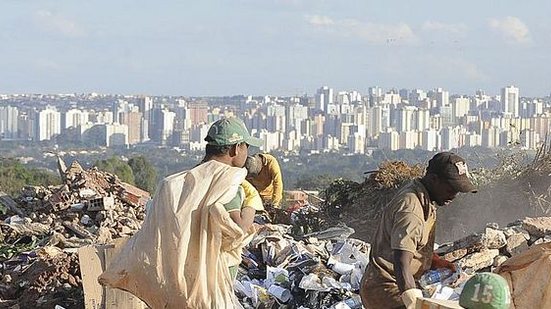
[[14, 176], [145, 175], [314, 182], [118, 167]]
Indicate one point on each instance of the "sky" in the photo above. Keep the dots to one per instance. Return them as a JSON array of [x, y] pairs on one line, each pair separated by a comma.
[[273, 47]]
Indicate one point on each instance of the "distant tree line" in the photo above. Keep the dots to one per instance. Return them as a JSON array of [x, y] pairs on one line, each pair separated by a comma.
[[14, 175], [137, 171]]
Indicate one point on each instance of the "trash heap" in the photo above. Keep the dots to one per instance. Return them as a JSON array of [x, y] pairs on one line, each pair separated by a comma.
[[319, 270], [360, 205], [44, 226], [291, 265]]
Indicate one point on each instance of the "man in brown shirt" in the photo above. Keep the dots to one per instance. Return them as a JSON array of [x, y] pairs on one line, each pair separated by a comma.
[[403, 247]]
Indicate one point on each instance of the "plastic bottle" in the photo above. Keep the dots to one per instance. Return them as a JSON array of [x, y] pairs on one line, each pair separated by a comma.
[[354, 302], [433, 276]]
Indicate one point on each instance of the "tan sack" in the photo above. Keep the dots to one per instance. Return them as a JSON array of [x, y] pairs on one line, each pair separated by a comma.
[[528, 275], [180, 256]]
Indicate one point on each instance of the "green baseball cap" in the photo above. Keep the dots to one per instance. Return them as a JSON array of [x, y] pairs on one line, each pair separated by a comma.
[[230, 131], [485, 291]]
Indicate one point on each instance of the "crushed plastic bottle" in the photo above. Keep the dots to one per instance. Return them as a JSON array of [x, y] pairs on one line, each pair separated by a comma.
[[433, 276], [354, 302]]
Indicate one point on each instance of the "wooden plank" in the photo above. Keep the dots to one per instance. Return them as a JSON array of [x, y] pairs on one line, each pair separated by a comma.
[[91, 261], [429, 303], [115, 298]]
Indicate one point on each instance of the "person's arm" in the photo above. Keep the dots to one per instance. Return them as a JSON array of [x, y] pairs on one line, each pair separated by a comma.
[[438, 262], [406, 232], [277, 182], [243, 218], [404, 277]]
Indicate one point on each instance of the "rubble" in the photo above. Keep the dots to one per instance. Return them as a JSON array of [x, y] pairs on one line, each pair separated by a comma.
[[305, 259], [90, 207], [538, 227]]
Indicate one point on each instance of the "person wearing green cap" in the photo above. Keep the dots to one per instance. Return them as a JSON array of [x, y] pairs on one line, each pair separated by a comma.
[[194, 233], [402, 249], [485, 291], [228, 141]]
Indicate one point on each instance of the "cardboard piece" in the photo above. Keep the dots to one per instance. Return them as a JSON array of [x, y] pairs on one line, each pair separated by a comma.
[[429, 303], [93, 260]]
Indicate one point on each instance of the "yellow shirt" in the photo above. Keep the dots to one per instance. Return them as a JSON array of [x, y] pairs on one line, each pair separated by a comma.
[[269, 182], [252, 198]]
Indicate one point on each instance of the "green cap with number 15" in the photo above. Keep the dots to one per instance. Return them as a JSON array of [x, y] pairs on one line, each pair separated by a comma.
[[485, 291]]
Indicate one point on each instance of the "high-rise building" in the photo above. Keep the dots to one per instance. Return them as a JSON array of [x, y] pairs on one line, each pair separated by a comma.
[[295, 114], [133, 120], [9, 117], [116, 135], [324, 97], [389, 140], [198, 112], [74, 117], [405, 118], [48, 123], [442, 97], [510, 100], [375, 95], [416, 97], [356, 143], [409, 139], [430, 140], [460, 108], [166, 125], [145, 104], [422, 119], [491, 137]]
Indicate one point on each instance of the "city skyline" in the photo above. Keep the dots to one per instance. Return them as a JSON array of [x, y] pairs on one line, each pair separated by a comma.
[[273, 47], [328, 121]]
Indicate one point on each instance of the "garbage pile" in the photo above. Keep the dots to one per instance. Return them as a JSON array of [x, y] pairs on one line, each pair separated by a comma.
[[319, 270], [360, 205], [311, 261], [44, 226]]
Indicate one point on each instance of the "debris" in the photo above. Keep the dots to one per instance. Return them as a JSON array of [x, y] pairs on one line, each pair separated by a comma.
[[538, 227], [309, 262], [319, 270], [37, 265]]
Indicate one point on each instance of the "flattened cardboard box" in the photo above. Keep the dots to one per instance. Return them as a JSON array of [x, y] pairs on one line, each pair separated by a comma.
[[93, 260]]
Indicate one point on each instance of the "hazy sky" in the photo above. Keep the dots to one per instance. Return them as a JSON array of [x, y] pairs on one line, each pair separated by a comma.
[[276, 47]]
